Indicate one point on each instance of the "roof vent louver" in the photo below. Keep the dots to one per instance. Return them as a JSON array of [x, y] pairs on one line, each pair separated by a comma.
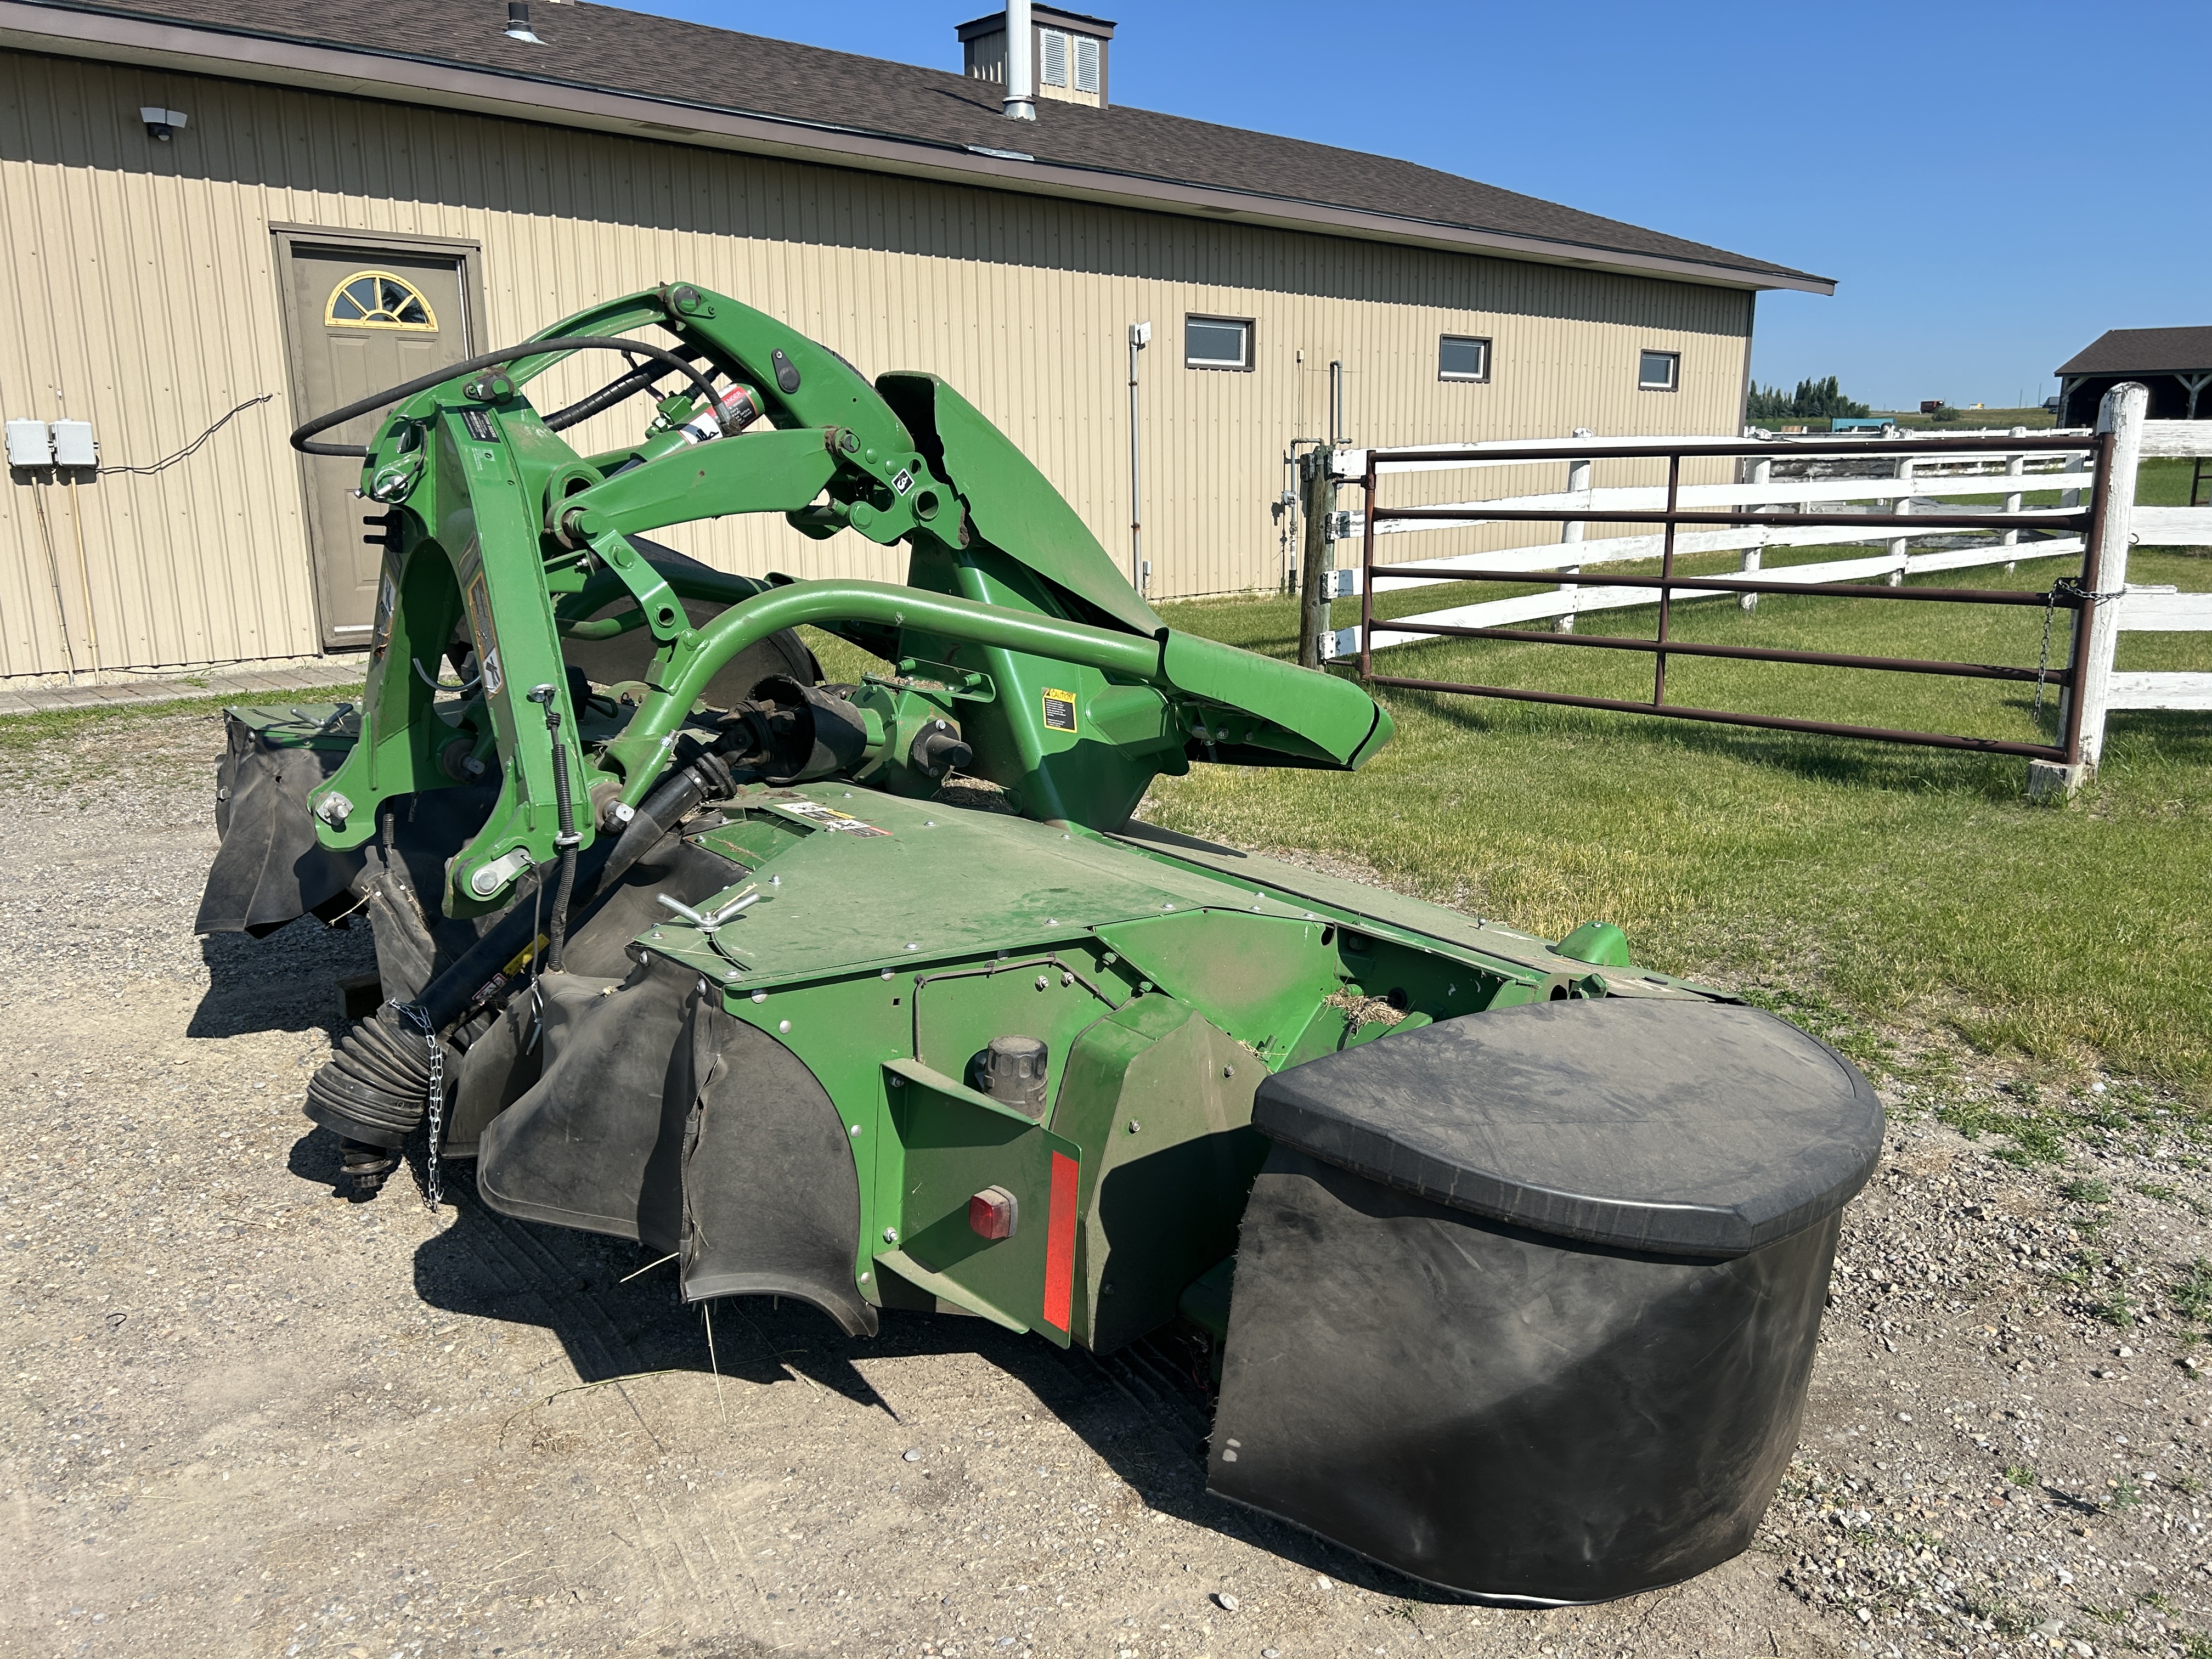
[[1066, 59]]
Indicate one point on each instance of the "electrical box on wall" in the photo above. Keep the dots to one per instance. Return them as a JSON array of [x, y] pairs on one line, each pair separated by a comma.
[[74, 445], [28, 444]]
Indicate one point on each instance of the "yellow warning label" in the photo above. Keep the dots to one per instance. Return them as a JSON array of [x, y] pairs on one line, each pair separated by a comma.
[[1059, 711]]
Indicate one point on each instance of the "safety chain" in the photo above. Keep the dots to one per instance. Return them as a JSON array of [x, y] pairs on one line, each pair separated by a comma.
[[2071, 587], [419, 1018]]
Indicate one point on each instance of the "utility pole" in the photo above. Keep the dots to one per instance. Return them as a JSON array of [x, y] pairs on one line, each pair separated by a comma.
[[1316, 577]]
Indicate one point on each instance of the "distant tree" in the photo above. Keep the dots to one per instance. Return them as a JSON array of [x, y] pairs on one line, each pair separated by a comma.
[[1812, 400]]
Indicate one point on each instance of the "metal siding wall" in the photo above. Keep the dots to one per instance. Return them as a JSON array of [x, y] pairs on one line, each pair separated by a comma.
[[164, 311]]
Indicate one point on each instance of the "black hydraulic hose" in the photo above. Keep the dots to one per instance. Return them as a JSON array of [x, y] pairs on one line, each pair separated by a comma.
[[557, 928], [614, 391], [301, 437]]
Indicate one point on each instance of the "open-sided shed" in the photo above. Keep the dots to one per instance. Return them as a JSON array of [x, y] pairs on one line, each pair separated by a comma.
[[2175, 363]]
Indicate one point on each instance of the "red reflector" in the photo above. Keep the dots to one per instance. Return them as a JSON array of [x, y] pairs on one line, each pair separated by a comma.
[[993, 1212], [1060, 1242]]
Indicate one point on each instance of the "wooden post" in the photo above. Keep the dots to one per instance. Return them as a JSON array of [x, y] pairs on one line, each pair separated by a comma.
[[1762, 471], [1900, 547], [1578, 483], [1316, 577], [2121, 414], [2014, 466]]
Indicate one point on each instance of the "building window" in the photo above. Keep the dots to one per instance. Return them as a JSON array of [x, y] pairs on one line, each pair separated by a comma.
[[1087, 64], [1462, 357], [1216, 342], [1052, 58], [1659, 371], [377, 299]]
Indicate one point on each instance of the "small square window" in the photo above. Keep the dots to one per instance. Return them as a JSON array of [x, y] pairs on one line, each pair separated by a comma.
[[1216, 342], [1661, 371], [1462, 357]]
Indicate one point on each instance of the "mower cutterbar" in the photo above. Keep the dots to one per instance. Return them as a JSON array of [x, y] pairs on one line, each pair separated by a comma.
[[1475, 1228]]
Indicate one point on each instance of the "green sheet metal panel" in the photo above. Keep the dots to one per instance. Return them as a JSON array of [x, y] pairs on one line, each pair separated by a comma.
[[956, 1143]]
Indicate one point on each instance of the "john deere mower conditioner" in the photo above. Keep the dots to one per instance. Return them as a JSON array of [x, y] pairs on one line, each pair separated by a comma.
[[1508, 1256]]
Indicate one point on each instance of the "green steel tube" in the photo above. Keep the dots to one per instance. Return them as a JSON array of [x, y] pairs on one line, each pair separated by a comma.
[[1334, 717], [895, 606], [640, 745]]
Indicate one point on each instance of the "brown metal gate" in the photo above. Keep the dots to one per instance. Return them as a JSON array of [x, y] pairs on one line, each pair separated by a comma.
[[2071, 594]]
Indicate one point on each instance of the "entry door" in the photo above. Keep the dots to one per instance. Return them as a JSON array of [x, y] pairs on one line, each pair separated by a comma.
[[363, 319]]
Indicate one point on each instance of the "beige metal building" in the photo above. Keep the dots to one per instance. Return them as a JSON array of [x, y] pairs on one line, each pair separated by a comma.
[[204, 202]]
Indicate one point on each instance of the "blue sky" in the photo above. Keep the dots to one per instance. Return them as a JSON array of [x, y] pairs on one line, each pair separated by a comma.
[[1992, 185]]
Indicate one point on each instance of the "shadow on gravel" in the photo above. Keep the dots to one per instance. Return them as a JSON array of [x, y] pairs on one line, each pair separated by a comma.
[[285, 983], [1143, 1410], [315, 1157]]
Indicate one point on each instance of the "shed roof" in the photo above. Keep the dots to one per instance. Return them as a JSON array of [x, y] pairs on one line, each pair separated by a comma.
[[856, 111], [2143, 351]]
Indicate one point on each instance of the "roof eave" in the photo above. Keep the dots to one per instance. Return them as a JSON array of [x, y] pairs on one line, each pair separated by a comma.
[[2072, 371], [240, 55]]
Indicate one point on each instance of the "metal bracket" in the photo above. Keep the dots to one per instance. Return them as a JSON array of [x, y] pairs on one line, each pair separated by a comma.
[[664, 612]]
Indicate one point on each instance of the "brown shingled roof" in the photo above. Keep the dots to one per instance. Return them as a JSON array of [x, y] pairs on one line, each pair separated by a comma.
[[604, 49], [2143, 351]]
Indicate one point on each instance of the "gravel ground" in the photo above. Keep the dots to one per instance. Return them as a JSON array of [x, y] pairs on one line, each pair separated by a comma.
[[241, 1415]]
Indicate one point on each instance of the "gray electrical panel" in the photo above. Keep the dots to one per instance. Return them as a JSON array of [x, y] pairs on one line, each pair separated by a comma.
[[28, 444], [73, 444]]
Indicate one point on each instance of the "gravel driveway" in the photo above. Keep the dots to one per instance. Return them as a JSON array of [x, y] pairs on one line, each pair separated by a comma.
[[242, 1416]]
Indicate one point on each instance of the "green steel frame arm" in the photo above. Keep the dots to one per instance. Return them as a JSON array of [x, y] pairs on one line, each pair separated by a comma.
[[1315, 716], [504, 535]]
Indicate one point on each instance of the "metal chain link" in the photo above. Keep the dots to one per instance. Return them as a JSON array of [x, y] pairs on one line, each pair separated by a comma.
[[419, 1018], [2071, 587]]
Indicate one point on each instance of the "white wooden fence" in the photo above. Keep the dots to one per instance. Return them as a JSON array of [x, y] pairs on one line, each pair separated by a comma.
[[2160, 610], [1920, 470]]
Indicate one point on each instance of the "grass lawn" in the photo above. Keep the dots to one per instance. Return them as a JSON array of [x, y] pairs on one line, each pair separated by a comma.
[[1856, 884], [1870, 892]]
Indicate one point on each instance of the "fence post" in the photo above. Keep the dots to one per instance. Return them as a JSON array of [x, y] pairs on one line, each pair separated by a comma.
[[1900, 548], [1317, 580], [1578, 482], [2105, 579], [2014, 466], [1762, 471]]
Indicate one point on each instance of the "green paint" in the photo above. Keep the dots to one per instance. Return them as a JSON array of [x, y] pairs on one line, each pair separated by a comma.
[[896, 936]]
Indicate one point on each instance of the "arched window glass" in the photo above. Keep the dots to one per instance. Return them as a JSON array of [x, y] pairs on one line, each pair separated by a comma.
[[377, 299]]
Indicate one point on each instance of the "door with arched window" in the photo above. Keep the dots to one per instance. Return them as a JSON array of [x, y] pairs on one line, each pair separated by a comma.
[[362, 319]]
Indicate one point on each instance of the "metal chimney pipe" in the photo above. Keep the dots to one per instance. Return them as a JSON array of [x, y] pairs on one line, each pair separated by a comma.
[[517, 22], [1021, 63]]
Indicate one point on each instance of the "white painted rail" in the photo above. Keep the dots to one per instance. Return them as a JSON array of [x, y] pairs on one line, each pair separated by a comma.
[[2153, 610], [1908, 466]]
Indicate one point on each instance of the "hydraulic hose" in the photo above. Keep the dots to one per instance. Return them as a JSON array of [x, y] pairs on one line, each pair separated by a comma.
[[614, 392], [301, 437], [566, 838]]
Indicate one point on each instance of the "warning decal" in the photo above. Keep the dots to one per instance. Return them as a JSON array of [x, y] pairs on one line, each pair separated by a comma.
[[1059, 711], [828, 817], [487, 637]]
